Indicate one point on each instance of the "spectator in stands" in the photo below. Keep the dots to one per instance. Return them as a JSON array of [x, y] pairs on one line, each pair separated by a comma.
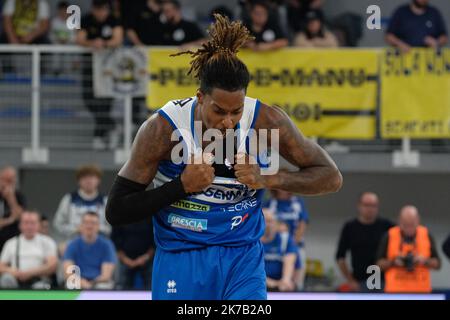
[[25, 21], [30, 259], [146, 27], [297, 10], [99, 30], [74, 205], [280, 254], [177, 31], [44, 226], [315, 34], [93, 254], [223, 11], [407, 253], [12, 203], [291, 211], [245, 7], [361, 236], [446, 246], [135, 249], [268, 34], [60, 34], [416, 24], [126, 10]]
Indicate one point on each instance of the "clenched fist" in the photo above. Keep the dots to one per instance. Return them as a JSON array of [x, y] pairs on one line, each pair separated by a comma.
[[198, 173], [248, 172]]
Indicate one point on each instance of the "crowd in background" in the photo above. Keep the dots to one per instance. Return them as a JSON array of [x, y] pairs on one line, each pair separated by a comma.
[[83, 244], [273, 23]]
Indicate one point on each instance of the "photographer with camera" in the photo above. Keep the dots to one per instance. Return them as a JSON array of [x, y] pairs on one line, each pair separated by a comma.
[[407, 253]]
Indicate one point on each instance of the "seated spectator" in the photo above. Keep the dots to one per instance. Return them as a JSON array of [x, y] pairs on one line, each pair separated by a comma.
[[416, 25], [407, 253], [61, 63], [223, 11], [135, 249], [280, 255], [44, 226], [244, 8], [315, 34], [446, 247], [12, 203], [126, 10], [297, 10], [267, 33], [93, 254], [178, 31], [146, 27], [74, 205], [99, 30], [291, 211], [59, 33], [29, 260], [25, 21], [361, 236]]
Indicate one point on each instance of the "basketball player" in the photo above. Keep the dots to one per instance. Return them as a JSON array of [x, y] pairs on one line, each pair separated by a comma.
[[207, 216]]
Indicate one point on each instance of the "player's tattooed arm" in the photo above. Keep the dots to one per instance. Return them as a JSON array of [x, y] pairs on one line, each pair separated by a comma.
[[317, 174], [128, 199], [149, 148], [153, 144]]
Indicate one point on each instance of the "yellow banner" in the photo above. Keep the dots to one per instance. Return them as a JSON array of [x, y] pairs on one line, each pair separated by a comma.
[[327, 93], [415, 94]]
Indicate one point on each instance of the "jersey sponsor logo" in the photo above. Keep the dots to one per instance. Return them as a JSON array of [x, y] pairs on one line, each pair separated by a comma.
[[237, 220], [243, 205], [189, 205], [225, 194], [197, 225]]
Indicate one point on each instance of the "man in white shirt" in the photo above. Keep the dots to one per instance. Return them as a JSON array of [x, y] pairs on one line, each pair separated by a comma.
[[28, 260], [75, 204]]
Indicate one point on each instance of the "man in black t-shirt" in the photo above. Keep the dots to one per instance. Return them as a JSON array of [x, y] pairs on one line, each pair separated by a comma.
[[178, 31], [267, 33], [12, 203], [99, 30], [146, 27], [361, 236], [416, 24]]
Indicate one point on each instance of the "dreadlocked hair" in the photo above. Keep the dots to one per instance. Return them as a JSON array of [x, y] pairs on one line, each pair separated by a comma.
[[215, 63]]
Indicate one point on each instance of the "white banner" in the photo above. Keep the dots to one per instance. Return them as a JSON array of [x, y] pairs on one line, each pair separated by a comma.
[[120, 72]]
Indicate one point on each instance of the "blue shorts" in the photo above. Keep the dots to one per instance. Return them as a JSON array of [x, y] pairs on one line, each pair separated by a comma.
[[212, 273]]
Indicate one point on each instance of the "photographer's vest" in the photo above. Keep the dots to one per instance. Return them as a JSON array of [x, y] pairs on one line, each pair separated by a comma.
[[399, 279]]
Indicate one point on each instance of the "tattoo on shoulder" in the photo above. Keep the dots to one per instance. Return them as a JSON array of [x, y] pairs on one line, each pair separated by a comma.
[[151, 145]]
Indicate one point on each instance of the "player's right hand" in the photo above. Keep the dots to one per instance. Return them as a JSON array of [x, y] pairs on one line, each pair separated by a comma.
[[198, 173]]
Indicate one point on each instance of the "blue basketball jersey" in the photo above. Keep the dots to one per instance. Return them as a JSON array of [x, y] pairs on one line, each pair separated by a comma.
[[227, 212], [291, 211], [274, 252]]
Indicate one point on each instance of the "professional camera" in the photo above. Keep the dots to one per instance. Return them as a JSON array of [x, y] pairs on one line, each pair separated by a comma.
[[408, 260]]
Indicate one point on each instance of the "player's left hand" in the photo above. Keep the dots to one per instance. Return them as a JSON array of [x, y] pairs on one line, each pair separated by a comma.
[[248, 172]]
